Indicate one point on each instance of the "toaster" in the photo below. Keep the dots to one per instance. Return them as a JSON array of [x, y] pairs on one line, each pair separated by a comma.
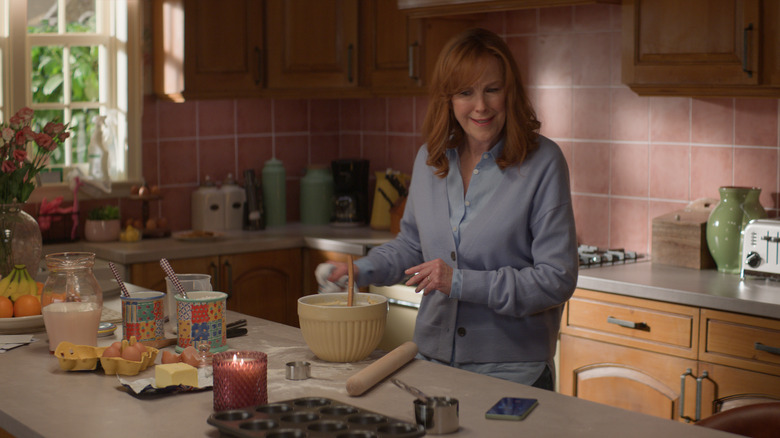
[[761, 249]]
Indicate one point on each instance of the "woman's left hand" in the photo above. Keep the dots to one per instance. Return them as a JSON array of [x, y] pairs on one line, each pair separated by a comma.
[[431, 276]]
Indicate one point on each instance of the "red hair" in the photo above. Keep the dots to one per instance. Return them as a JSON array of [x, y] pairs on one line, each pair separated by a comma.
[[459, 65]]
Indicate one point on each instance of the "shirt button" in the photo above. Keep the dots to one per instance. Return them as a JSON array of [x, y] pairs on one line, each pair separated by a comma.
[[461, 331], [468, 203], [476, 171], [452, 254], [485, 156], [454, 229]]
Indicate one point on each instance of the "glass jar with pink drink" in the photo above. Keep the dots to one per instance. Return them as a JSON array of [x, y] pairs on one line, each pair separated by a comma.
[[72, 300]]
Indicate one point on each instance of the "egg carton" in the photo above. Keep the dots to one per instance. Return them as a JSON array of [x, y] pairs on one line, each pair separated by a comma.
[[74, 357], [311, 417]]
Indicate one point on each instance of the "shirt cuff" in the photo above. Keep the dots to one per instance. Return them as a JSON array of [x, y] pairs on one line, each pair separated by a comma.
[[457, 284], [365, 271]]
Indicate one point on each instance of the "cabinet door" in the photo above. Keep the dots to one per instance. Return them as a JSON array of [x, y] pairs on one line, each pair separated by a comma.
[[731, 387], [312, 43], [151, 276], [205, 48], [391, 47], [695, 43], [264, 284], [626, 378]]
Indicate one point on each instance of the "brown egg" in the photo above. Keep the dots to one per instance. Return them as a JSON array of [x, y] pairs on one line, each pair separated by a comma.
[[155, 190], [162, 223], [140, 347], [138, 224], [168, 357], [131, 354], [151, 224], [190, 356], [134, 189], [112, 351]]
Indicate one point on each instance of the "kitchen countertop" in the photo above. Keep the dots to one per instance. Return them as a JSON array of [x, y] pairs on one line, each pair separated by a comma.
[[643, 279], [41, 400]]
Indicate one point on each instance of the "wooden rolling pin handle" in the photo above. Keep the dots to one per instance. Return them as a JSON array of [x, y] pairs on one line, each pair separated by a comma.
[[369, 376]]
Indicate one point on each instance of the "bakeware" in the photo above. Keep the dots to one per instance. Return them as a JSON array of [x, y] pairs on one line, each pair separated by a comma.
[[311, 417], [298, 370]]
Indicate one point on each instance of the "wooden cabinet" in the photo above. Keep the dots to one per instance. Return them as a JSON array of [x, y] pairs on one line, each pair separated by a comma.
[[398, 52], [671, 361], [312, 44], [701, 47], [208, 49], [294, 48], [264, 284]]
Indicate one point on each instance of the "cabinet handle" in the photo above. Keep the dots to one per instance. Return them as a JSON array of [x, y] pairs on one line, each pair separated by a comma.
[[687, 373], [412, 66], [350, 49], [229, 274], [704, 375], [769, 349], [259, 75], [745, 47], [628, 324], [214, 274]]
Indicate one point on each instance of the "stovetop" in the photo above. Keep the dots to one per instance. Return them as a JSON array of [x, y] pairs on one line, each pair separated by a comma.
[[594, 257]]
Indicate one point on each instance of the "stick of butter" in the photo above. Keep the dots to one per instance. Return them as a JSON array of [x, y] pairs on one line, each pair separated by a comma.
[[171, 374]]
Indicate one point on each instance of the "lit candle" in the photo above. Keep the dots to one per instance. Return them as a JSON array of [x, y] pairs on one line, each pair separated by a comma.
[[240, 379]]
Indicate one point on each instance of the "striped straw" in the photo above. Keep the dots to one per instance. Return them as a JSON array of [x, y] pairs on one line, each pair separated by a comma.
[[122, 286], [172, 275]]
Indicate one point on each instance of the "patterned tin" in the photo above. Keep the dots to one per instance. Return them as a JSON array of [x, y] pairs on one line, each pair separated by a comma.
[[201, 318]]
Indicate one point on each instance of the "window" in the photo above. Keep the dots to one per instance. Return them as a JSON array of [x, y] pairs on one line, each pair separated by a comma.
[[74, 60]]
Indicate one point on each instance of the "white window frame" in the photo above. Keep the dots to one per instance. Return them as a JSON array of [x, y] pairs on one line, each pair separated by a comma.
[[125, 50]]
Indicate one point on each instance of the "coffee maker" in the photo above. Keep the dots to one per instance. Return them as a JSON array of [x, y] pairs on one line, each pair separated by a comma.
[[350, 192]]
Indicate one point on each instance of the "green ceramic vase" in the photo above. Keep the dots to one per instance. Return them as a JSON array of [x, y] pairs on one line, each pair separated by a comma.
[[737, 207]]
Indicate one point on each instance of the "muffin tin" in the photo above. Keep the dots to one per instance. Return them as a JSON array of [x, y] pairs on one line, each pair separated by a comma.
[[311, 417]]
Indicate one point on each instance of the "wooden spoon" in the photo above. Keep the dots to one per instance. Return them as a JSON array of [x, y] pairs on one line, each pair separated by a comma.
[[350, 281]]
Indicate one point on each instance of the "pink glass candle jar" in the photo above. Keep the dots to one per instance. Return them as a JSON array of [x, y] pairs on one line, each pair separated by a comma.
[[240, 379]]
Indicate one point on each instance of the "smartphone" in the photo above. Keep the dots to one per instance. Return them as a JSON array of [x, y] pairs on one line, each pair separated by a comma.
[[511, 408]]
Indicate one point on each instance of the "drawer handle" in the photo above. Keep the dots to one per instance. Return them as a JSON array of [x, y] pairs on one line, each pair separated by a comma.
[[628, 324], [772, 350]]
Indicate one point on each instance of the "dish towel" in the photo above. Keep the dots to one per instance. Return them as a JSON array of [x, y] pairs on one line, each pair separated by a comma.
[[328, 287]]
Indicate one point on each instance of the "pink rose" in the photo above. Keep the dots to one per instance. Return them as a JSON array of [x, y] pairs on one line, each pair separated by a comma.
[[20, 155], [25, 113], [20, 138], [9, 166], [45, 141], [16, 122], [8, 134]]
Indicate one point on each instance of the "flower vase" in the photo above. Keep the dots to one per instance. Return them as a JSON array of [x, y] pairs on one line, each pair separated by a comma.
[[20, 240], [724, 229], [752, 207]]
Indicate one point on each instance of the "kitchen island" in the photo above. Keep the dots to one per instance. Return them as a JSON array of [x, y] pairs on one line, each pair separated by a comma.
[[41, 400]]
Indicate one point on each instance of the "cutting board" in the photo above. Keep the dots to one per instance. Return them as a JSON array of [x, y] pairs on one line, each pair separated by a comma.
[[680, 238]]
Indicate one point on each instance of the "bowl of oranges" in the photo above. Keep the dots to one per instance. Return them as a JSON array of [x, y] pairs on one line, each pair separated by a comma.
[[20, 304]]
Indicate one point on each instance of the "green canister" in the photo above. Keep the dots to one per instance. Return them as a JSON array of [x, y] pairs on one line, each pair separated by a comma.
[[316, 195], [274, 193]]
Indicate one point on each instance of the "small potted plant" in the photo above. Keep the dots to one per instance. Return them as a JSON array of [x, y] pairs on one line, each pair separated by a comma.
[[103, 224]]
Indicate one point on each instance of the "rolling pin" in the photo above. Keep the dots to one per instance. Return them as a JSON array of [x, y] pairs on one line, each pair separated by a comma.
[[369, 376]]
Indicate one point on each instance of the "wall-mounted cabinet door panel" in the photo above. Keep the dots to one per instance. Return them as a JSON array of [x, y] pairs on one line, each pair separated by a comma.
[[312, 43]]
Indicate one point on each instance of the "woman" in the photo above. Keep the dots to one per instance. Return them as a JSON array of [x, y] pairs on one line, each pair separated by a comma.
[[488, 232]]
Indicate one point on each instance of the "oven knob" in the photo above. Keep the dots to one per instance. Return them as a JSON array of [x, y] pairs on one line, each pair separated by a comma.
[[753, 259]]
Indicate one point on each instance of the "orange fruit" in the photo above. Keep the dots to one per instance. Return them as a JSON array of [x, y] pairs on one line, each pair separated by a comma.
[[27, 305], [6, 307]]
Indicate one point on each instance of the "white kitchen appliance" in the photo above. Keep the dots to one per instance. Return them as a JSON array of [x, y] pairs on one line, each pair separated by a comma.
[[761, 249], [401, 316]]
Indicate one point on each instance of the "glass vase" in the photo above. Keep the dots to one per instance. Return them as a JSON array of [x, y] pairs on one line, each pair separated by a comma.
[[20, 240]]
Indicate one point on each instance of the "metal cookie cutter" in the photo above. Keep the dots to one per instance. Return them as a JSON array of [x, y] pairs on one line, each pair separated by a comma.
[[298, 370]]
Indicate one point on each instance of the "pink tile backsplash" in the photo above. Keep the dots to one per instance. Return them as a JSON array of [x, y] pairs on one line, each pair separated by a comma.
[[631, 158]]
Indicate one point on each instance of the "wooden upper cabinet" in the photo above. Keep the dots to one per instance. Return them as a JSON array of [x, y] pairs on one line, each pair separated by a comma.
[[697, 47], [207, 49], [391, 48], [312, 44]]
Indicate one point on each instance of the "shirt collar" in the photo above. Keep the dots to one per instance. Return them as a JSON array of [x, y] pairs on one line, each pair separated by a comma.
[[494, 152]]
